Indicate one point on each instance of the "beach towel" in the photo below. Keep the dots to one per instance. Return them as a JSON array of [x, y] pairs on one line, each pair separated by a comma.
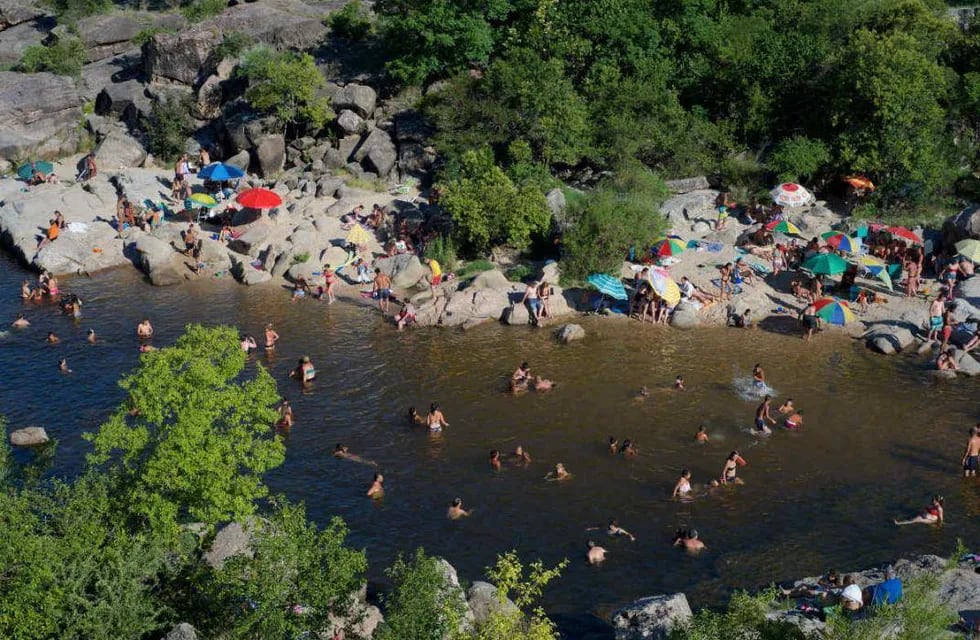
[[78, 227], [715, 247]]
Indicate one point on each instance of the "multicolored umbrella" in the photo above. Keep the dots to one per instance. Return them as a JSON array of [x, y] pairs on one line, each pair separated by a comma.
[[220, 171], [259, 199], [203, 199], [842, 242], [969, 249], [783, 226], [26, 170], [825, 264], [358, 235], [608, 286], [878, 269], [834, 311], [670, 246], [664, 285], [790, 194], [905, 234]]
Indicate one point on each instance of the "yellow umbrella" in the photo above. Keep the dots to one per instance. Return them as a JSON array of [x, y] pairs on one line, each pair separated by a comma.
[[664, 285], [358, 235], [969, 249]]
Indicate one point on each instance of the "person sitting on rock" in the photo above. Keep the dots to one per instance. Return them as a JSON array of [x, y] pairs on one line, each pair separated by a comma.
[[50, 235]]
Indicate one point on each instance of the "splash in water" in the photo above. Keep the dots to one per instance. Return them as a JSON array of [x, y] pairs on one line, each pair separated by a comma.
[[749, 389]]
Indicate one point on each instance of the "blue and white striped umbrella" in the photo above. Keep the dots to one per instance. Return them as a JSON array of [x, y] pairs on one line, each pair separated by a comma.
[[608, 285]]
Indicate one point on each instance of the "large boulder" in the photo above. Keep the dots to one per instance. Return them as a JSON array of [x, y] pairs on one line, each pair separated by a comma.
[[234, 539], [684, 316], [209, 97], [889, 339], [356, 97], [377, 153], [570, 333], [270, 155], [482, 599], [967, 364], [405, 270], [687, 185], [157, 260], [965, 224], [182, 57], [106, 35], [254, 240], [349, 122], [14, 12], [516, 314], [415, 159], [40, 114], [281, 24], [29, 437], [246, 273], [119, 150], [681, 209], [126, 101], [182, 631], [651, 618], [14, 40]]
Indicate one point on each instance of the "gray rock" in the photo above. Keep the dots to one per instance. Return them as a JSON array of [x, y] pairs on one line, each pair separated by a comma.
[[29, 437], [182, 57], [240, 160], [126, 101], [107, 34], [687, 185], [684, 317], [405, 270], [252, 241], [349, 122], [182, 631], [15, 12], [377, 153], [414, 159], [651, 618], [680, 209], [965, 224], [209, 97], [968, 365], [897, 337], [701, 228], [157, 259], [40, 114], [882, 345], [570, 333], [809, 626], [556, 201], [231, 540], [119, 149], [516, 314], [15, 39], [270, 155], [483, 600], [281, 24], [346, 146], [357, 98], [327, 186]]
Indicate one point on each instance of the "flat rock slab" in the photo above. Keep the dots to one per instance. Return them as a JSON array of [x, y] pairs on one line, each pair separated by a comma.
[[29, 437]]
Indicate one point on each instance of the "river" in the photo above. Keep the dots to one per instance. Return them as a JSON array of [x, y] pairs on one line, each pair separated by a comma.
[[881, 436]]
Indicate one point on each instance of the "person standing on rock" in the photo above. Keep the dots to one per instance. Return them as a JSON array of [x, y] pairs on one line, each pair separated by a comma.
[[971, 457], [382, 290], [436, 274], [936, 308], [330, 276], [533, 301]]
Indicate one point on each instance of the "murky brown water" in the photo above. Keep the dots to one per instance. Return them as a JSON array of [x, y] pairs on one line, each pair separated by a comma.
[[881, 436]]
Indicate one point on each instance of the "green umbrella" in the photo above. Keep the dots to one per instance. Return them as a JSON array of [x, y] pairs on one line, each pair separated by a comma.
[[825, 264], [25, 171]]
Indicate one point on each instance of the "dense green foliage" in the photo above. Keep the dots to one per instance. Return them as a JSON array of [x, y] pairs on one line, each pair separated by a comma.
[[808, 90], [488, 208], [69, 10], [621, 213], [194, 439], [168, 125], [286, 85], [233, 44], [64, 57], [352, 22], [199, 10]]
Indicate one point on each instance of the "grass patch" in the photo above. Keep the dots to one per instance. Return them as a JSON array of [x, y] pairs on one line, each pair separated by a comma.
[[518, 272], [64, 57], [234, 44], [377, 184], [201, 10], [443, 250], [474, 267]]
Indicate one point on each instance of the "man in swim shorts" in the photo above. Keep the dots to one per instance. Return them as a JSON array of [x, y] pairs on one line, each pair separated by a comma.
[[382, 289], [762, 414], [971, 457], [936, 309]]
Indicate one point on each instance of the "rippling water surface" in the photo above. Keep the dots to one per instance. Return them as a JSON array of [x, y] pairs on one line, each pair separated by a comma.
[[880, 437]]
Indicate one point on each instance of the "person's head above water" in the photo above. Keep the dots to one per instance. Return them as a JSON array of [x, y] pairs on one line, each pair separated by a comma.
[[525, 366], [685, 473], [457, 502], [340, 448], [433, 407]]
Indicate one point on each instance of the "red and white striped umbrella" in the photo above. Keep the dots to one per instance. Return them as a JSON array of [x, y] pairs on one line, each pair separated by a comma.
[[790, 194]]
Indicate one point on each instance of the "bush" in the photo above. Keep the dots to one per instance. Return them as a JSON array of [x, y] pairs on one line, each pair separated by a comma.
[[798, 158], [286, 85], [508, 575], [145, 35], [475, 267], [442, 249], [168, 126], [488, 209], [64, 57], [69, 10], [203, 9], [352, 22], [621, 213], [233, 45], [420, 603]]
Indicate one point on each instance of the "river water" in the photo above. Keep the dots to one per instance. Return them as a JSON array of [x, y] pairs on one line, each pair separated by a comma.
[[881, 436]]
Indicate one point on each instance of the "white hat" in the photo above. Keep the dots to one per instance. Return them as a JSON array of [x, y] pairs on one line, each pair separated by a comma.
[[852, 592]]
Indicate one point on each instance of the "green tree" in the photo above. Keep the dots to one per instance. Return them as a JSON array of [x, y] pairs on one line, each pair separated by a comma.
[[168, 125], [352, 22], [63, 57], [194, 438], [798, 158], [619, 214], [525, 623], [286, 85], [488, 209], [298, 580], [421, 602]]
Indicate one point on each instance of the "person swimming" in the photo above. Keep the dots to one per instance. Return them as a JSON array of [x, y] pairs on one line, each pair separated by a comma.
[[377, 490], [683, 485], [456, 510], [730, 470], [559, 474], [644, 392], [63, 366], [521, 456], [613, 444], [794, 421], [20, 322], [701, 435], [341, 451], [787, 407], [541, 384], [521, 377], [435, 419], [613, 530], [628, 449], [52, 338], [679, 383], [414, 417], [495, 460], [689, 540], [595, 554], [90, 337]]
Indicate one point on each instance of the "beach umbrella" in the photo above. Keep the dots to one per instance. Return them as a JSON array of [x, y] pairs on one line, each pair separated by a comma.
[[878, 269], [842, 242], [860, 182], [904, 234], [825, 264], [664, 285], [670, 246], [259, 199], [783, 226], [969, 249], [790, 194], [219, 171], [608, 286], [203, 199], [358, 235], [26, 170], [834, 311]]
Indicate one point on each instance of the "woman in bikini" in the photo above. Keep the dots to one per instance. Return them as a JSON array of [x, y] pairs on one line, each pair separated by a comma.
[[683, 486], [932, 514], [271, 338], [730, 470], [435, 419], [330, 276]]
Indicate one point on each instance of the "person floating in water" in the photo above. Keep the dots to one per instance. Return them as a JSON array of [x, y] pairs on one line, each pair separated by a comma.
[[63, 366], [521, 377], [559, 474], [90, 337], [614, 530], [541, 384], [435, 419], [20, 322], [932, 514], [762, 414], [495, 460], [971, 457], [628, 449], [730, 470], [679, 383], [341, 451], [377, 490], [456, 510], [52, 338], [683, 485], [689, 540], [613, 444], [595, 554], [701, 435], [643, 393]]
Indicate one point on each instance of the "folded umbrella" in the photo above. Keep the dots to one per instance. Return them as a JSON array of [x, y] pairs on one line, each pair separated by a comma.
[[608, 286]]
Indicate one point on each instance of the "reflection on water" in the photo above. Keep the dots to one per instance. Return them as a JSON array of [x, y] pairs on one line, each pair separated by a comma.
[[881, 436]]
